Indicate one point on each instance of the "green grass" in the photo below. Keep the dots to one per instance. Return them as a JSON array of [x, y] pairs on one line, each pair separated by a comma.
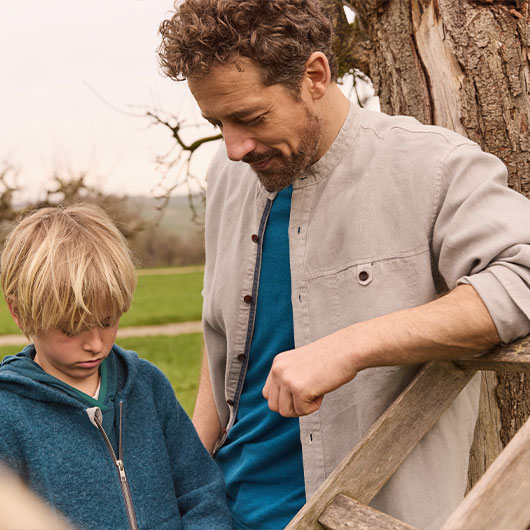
[[165, 298], [9, 350], [179, 357], [7, 326]]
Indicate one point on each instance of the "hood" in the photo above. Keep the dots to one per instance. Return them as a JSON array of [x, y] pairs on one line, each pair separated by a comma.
[[20, 374]]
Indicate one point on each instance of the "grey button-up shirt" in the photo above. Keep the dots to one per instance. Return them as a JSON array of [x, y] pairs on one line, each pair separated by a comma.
[[393, 215]]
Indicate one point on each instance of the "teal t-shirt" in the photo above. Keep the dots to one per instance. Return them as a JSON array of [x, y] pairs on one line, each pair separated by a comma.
[[262, 457]]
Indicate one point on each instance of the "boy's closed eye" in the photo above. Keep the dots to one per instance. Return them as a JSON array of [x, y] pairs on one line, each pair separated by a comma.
[[102, 324]]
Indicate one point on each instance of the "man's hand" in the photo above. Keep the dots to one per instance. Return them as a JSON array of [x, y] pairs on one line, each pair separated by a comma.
[[299, 378]]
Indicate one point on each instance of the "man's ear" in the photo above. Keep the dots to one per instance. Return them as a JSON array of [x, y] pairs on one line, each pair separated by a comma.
[[12, 305], [317, 74]]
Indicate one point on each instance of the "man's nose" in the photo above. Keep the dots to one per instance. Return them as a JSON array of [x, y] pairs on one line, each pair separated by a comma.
[[238, 143], [93, 340]]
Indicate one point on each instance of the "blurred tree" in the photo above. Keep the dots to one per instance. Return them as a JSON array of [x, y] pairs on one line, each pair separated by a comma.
[[64, 189], [151, 245], [175, 165]]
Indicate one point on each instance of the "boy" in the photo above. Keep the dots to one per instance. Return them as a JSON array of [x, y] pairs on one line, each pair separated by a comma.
[[92, 428]]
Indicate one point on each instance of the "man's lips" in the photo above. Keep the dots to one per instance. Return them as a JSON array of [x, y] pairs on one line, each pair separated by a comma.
[[262, 164], [260, 160]]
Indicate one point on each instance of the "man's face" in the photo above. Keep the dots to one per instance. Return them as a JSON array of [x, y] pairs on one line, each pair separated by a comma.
[[267, 127]]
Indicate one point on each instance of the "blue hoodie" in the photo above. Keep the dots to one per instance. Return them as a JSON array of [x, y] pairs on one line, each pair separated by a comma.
[[66, 446]]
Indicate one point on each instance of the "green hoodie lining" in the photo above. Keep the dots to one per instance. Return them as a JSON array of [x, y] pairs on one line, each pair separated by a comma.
[[102, 390]]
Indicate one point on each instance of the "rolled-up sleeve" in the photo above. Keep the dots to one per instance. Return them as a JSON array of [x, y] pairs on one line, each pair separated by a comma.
[[481, 237]]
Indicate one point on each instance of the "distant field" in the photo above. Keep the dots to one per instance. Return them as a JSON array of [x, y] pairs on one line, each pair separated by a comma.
[[178, 357], [162, 296]]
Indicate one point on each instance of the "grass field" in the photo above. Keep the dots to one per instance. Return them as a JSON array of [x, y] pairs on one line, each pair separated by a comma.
[[7, 326], [178, 357], [161, 297], [164, 298]]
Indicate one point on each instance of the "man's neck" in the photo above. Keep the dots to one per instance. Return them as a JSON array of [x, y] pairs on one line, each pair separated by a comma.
[[334, 111]]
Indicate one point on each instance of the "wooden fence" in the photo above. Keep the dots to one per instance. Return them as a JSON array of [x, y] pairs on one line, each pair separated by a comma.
[[501, 498]]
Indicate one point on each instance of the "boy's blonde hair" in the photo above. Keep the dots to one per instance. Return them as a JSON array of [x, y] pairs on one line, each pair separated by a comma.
[[68, 269]]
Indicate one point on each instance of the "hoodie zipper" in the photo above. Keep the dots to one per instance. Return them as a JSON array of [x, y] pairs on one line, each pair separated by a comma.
[[120, 467]]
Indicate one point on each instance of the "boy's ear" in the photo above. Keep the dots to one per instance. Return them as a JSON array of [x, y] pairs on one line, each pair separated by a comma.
[[12, 305]]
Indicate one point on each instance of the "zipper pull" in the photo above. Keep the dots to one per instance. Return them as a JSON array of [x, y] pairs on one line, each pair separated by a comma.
[[121, 470]]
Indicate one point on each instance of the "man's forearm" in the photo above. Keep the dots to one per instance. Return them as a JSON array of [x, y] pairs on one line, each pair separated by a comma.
[[454, 326], [205, 417]]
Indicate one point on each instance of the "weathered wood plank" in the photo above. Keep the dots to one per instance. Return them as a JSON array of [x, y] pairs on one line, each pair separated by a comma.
[[394, 434], [487, 445], [514, 357], [500, 499], [347, 514]]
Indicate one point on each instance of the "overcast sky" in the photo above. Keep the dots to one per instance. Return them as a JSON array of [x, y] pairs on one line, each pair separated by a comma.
[[55, 56]]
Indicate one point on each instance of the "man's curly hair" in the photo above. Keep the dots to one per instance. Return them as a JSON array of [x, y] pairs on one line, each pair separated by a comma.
[[278, 35]]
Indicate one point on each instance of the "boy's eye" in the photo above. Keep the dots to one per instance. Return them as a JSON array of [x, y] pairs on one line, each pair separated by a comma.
[[107, 323]]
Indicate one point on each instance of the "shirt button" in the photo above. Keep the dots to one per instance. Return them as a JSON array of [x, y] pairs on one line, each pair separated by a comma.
[[363, 276], [247, 298], [255, 238], [230, 402], [241, 357]]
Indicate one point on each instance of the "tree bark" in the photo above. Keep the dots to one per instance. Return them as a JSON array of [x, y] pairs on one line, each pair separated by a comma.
[[465, 66]]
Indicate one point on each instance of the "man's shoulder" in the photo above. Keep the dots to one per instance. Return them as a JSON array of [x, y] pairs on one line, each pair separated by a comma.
[[407, 128]]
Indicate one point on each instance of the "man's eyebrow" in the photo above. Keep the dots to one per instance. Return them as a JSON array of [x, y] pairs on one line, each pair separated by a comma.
[[235, 115]]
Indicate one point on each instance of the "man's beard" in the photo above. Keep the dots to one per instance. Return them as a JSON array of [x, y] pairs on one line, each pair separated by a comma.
[[292, 166]]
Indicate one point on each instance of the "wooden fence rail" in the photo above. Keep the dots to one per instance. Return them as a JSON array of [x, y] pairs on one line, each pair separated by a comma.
[[500, 500]]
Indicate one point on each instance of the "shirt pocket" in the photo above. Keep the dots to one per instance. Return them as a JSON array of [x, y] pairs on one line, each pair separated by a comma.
[[368, 289]]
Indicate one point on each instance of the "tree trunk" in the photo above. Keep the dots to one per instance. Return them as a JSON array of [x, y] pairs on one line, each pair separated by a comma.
[[465, 66]]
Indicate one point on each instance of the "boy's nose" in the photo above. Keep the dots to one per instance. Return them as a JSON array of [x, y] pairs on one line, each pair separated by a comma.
[[93, 340]]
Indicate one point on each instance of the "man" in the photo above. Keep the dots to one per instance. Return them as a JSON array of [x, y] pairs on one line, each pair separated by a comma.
[[330, 265]]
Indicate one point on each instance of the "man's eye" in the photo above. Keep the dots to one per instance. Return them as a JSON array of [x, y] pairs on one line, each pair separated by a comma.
[[254, 121]]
